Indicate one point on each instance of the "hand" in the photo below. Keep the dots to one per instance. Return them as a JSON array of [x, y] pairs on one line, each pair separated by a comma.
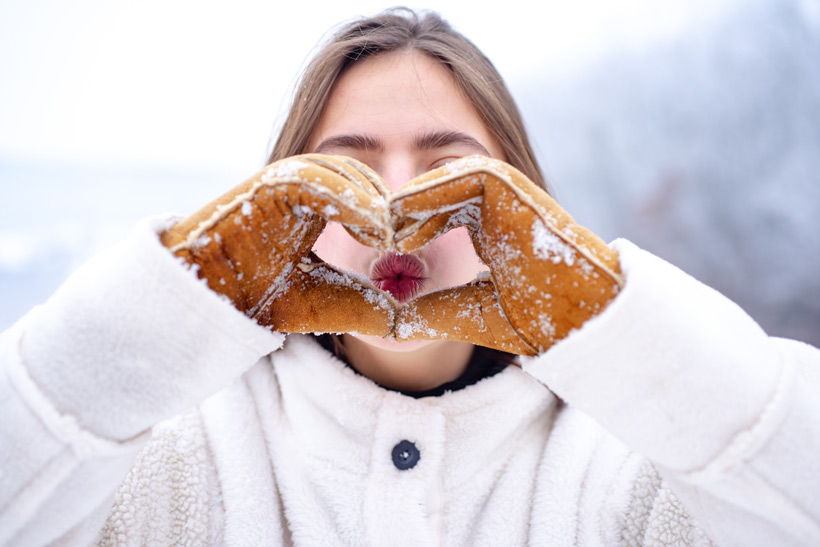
[[548, 275], [253, 245]]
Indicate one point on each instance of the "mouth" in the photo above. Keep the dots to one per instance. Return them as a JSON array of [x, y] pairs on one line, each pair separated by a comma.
[[403, 276]]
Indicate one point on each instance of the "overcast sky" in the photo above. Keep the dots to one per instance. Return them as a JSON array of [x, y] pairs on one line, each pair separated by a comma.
[[182, 83]]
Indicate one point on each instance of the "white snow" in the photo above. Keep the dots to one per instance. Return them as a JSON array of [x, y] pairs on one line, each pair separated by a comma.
[[284, 170], [548, 246]]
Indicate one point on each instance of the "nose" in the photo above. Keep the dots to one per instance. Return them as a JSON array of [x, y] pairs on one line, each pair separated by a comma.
[[396, 172]]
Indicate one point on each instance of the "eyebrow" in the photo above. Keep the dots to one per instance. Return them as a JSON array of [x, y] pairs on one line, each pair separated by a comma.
[[357, 142], [425, 141], [440, 139]]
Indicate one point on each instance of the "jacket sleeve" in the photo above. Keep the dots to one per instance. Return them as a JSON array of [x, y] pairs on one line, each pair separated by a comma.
[[729, 416], [132, 338]]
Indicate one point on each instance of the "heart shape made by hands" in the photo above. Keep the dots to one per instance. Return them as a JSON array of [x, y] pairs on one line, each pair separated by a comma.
[[547, 275]]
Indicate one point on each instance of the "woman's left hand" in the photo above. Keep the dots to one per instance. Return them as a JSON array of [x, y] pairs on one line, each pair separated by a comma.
[[548, 275]]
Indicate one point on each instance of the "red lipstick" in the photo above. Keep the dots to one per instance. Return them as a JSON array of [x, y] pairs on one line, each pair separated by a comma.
[[401, 275]]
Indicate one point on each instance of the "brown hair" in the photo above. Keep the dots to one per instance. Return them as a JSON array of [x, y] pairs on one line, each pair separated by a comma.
[[426, 32]]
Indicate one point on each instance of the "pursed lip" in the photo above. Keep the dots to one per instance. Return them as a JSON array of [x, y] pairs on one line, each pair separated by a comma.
[[403, 276]]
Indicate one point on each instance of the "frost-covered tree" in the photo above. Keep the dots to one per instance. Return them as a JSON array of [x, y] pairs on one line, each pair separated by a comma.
[[705, 150]]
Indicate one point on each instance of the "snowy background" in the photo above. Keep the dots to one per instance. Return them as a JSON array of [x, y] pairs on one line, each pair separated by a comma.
[[690, 127]]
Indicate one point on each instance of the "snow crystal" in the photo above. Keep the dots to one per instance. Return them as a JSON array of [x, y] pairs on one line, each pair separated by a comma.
[[547, 326], [287, 169], [408, 329], [548, 246], [328, 276], [201, 242], [472, 162], [277, 285], [468, 213], [469, 312], [302, 210], [353, 280], [586, 267]]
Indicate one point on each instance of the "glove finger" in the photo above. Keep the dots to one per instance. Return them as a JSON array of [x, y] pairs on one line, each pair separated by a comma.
[[324, 186], [340, 190], [433, 204], [358, 173], [468, 313], [320, 298], [551, 274], [580, 239], [243, 241]]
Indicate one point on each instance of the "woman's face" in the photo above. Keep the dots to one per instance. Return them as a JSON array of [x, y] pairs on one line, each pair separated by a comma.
[[402, 114]]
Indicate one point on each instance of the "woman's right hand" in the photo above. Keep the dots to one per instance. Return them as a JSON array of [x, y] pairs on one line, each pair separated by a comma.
[[253, 245]]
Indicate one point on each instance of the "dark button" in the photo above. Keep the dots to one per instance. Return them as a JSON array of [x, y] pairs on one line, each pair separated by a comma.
[[405, 455]]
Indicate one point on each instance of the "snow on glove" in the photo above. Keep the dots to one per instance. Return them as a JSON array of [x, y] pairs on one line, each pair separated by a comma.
[[548, 275], [253, 245]]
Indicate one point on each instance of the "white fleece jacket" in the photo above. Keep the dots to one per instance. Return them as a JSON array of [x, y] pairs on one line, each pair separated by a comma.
[[679, 423]]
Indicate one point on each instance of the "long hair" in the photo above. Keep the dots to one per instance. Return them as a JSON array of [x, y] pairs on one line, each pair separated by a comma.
[[425, 32]]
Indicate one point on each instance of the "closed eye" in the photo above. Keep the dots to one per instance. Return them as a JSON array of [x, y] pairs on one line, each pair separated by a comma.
[[443, 161]]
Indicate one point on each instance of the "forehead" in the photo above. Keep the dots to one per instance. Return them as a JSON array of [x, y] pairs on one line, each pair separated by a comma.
[[407, 68], [396, 93]]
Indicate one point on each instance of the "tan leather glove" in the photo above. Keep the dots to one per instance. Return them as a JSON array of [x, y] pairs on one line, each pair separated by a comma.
[[253, 245], [548, 275]]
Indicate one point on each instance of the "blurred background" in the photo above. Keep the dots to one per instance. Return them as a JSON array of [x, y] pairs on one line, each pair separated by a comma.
[[691, 127]]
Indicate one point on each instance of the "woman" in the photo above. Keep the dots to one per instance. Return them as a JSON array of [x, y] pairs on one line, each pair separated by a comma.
[[679, 421]]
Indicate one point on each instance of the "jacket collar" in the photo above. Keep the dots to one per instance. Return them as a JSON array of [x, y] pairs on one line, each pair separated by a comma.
[[321, 396]]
